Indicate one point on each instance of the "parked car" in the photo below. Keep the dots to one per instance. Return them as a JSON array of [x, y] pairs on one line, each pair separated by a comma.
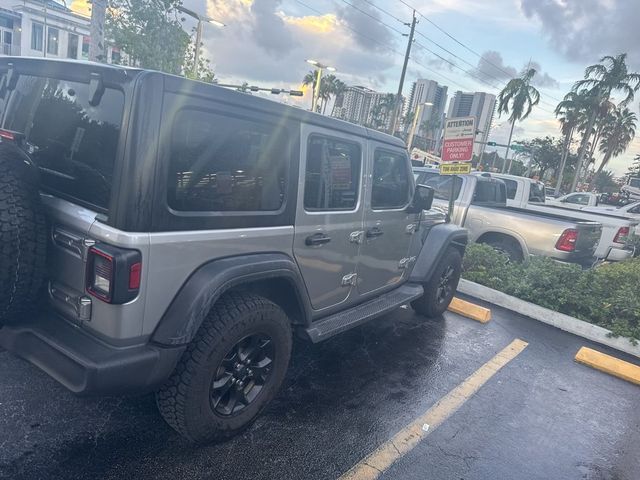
[[481, 207], [190, 229], [616, 242], [576, 200]]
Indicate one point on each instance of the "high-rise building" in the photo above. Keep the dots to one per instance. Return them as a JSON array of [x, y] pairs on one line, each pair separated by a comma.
[[363, 106], [475, 104], [431, 121]]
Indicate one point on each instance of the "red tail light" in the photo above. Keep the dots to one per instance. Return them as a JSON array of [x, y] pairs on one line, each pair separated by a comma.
[[113, 274], [135, 272], [622, 235], [567, 241], [7, 134]]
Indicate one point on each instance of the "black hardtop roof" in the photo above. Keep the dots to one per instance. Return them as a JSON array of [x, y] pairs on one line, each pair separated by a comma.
[[178, 84]]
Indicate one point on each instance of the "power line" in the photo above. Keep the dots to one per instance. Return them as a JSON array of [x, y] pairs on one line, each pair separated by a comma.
[[375, 18], [498, 67], [386, 12], [387, 47]]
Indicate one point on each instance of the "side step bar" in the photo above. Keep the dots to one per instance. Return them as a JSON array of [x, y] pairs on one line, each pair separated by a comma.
[[339, 322]]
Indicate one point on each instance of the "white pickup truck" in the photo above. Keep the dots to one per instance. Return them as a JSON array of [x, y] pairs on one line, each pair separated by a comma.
[[616, 242]]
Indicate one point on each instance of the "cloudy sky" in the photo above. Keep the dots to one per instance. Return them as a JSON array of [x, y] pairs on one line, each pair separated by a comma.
[[266, 42]]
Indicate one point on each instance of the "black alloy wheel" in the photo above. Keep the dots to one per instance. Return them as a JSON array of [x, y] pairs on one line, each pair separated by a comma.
[[243, 373]]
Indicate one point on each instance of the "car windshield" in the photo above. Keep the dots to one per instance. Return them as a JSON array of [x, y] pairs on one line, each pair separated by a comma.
[[634, 182], [73, 142]]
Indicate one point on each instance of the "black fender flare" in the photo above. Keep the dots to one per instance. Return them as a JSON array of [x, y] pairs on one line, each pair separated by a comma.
[[438, 239], [209, 282]]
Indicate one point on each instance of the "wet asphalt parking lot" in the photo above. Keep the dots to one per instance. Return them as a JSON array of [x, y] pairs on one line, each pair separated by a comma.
[[542, 416]]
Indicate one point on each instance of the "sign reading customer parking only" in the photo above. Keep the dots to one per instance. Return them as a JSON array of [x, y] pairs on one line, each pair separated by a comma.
[[459, 134]]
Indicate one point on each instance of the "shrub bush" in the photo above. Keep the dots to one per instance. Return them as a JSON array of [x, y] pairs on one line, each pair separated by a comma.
[[608, 295]]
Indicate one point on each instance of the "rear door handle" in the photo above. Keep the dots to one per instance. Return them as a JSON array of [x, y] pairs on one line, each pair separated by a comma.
[[317, 239], [374, 232]]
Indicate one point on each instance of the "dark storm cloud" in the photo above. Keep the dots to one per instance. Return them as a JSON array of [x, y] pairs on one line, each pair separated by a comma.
[[269, 30], [261, 44], [366, 23], [585, 30], [491, 66]]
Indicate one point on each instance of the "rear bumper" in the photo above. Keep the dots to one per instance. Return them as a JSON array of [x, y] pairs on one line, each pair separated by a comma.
[[86, 365], [619, 254]]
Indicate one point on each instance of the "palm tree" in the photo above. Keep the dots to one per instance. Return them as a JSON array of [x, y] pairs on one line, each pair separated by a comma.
[[519, 97], [330, 86], [617, 133], [310, 79], [569, 110], [601, 81]]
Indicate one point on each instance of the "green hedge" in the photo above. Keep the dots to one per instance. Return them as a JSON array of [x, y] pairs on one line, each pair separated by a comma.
[[608, 295]]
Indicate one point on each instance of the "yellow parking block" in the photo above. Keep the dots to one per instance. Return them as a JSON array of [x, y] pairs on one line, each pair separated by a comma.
[[467, 309], [608, 364]]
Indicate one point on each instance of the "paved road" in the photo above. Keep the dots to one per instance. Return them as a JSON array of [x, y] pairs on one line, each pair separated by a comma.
[[541, 416]]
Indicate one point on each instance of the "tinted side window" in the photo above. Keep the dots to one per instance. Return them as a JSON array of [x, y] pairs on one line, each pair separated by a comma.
[[390, 187], [635, 210], [442, 186], [73, 142], [490, 192], [512, 188], [332, 177], [577, 199], [220, 163], [536, 193]]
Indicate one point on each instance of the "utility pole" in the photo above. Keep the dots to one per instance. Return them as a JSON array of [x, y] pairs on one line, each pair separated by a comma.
[[398, 103], [96, 46]]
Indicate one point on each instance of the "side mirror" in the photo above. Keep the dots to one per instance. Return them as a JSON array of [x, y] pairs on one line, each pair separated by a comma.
[[422, 199]]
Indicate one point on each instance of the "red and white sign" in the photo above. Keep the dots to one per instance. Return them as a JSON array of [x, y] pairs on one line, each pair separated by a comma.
[[459, 134]]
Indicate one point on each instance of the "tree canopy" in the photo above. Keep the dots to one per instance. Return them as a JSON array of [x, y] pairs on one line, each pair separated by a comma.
[[150, 32]]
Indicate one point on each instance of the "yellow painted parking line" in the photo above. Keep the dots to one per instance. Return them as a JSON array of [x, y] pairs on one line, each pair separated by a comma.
[[608, 364], [377, 462], [470, 310]]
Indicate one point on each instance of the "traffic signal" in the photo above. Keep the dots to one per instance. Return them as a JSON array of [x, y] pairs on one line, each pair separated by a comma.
[[491, 144]]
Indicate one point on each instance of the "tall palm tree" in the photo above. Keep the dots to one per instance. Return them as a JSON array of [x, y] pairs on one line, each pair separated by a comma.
[[569, 112], [518, 97], [310, 79], [330, 86], [617, 133], [601, 81]]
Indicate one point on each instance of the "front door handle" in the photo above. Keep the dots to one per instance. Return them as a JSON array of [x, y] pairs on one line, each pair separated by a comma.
[[317, 239], [374, 232]]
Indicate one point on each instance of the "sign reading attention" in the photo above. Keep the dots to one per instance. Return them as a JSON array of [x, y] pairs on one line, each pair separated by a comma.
[[459, 134]]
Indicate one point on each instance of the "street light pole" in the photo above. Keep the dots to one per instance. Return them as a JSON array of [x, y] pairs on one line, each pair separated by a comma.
[[196, 55], [201, 19], [316, 89]]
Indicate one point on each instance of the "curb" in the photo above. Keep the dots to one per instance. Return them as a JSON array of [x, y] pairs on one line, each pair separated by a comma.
[[564, 322]]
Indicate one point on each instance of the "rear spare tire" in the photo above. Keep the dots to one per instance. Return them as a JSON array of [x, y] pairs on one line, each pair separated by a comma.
[[23, 236]]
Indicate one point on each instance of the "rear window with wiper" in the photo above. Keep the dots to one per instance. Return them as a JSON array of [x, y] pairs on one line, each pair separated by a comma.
[[70, 133]]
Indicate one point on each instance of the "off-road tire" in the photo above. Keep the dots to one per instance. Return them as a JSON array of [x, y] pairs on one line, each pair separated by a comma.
[[184, 400], [431, 304], [23, 237]]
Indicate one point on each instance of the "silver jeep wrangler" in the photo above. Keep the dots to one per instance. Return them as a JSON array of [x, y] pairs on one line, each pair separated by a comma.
[[161, 234]]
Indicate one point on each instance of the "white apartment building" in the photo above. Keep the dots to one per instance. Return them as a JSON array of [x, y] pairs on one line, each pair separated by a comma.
[[477, 104], [429, 91], [45, 28]]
